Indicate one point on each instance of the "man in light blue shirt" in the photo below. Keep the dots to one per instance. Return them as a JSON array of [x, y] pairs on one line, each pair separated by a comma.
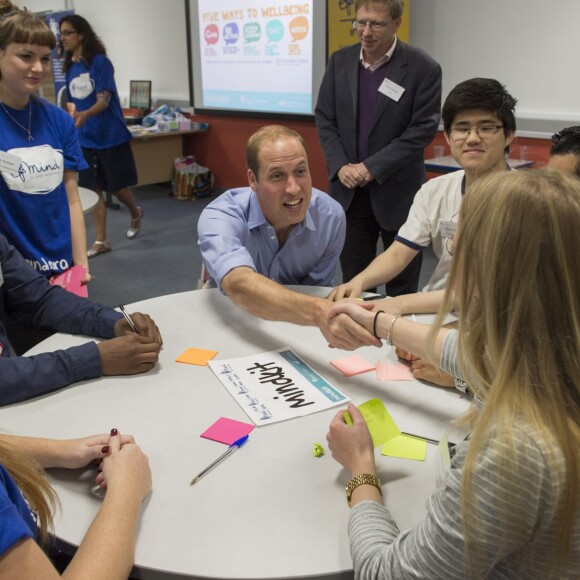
[[278, 231]]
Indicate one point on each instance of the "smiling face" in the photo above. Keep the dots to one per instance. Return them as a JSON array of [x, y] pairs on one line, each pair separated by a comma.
[[477, 153], [23, 67], [376, 44], [283, 184]]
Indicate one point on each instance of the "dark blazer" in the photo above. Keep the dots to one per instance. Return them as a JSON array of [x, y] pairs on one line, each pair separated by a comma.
[[400, 132]]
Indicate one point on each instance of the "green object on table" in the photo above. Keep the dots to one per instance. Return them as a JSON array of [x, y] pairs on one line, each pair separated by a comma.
[[318, 450]]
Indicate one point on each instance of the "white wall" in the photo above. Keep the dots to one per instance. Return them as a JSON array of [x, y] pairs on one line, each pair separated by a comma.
[[145, 40], [531, 46]]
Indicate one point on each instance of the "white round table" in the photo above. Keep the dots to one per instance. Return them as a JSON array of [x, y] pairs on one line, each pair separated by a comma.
[[272, 510], [89, 199]]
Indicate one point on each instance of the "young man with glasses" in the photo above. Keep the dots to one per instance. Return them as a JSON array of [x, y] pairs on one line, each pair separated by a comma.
[[479, 125], [378, 108]]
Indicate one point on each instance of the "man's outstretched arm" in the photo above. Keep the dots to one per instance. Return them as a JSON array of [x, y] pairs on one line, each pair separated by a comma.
[[269, 300]]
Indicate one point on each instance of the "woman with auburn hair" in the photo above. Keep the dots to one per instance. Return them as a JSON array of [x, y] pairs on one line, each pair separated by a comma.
[[105, 139], [27, 502], [509, 506]]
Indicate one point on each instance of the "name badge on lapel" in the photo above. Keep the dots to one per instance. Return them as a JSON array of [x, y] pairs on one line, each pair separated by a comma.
[[391, 90]]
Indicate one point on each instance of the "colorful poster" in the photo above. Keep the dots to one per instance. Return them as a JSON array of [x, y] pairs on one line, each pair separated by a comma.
[[275, 386], [271, 42]]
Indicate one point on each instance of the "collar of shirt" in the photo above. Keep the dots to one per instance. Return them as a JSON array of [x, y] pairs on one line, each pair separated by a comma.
[[386, 58], [256, 217]]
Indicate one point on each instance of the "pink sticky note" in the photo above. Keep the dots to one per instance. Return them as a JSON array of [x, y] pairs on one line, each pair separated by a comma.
[[396, 372], [352, 365], [227, 430]]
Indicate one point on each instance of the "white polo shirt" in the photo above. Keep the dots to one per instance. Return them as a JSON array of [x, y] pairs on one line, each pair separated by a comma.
[[437, 201]]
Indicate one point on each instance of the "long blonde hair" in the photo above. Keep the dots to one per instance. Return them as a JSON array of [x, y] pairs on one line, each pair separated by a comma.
[[516, 280], [30, 478]]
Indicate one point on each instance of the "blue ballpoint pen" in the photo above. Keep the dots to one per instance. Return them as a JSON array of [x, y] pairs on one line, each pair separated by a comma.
[[235, 445]]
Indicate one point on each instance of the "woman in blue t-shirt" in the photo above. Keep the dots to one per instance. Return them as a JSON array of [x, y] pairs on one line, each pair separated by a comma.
[[27, 502], [40, 209], [94, 103]]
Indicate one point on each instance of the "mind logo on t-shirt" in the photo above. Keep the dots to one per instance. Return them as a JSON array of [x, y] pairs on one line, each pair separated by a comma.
[[81, 87], [40, 172]]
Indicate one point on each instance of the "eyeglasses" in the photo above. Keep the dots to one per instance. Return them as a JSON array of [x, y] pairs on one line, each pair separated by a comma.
[[483, 132], [68, 32], [376, 26]]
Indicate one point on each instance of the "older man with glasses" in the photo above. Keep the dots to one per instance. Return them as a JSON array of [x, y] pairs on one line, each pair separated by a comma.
[[378, 108]]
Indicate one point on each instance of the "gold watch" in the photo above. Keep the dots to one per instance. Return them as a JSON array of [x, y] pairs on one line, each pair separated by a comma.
[[362, 479]]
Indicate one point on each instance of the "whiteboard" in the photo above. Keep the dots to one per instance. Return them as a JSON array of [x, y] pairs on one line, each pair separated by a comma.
[[257, 57], [531, 46]]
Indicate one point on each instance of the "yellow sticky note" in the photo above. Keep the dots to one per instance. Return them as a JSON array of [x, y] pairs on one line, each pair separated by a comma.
[[196, 356], [379, 421], [406, 447]]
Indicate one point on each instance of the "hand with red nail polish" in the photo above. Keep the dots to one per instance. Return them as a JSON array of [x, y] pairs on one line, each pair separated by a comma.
[[75, 453], [125, 469]]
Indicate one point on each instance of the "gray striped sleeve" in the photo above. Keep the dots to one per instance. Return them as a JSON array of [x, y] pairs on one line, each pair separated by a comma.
[[516, 490], [448, 360]]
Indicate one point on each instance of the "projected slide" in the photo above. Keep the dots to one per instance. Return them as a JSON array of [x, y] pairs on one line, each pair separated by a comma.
[[256, 55]]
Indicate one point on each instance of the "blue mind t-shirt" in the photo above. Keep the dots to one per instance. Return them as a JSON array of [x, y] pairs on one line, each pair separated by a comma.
[[34, 210], [107, 129], [17, 521]]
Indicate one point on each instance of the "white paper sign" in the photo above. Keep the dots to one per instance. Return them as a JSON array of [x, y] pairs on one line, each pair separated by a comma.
[[275, 386], [391, 90]]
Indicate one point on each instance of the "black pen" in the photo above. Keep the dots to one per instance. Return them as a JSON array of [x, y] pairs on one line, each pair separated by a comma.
[[377, 297], [432, 441], [128, 319]]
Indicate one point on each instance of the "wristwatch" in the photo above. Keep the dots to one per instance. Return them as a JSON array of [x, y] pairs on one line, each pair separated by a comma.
[[362, 479]]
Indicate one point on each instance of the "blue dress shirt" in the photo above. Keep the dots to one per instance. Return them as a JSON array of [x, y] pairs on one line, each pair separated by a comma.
[[233, 232]]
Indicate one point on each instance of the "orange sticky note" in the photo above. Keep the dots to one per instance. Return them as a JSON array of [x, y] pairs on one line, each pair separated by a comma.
[[352, 365], [196, 356]]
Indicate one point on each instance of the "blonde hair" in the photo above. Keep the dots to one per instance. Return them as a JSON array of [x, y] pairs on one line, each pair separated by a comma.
[[30, 479], [23, 27], [516, 280]]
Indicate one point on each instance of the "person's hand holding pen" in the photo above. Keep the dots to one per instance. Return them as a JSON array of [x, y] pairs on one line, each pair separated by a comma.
[[131, 352], [143, 326]]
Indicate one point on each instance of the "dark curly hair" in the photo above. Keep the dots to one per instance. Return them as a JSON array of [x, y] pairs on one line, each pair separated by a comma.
[[91, 43]]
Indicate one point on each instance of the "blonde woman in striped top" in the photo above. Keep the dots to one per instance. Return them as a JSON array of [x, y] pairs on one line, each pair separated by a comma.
[[509, 507]]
